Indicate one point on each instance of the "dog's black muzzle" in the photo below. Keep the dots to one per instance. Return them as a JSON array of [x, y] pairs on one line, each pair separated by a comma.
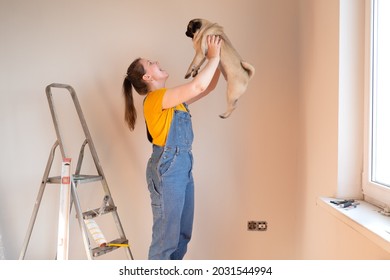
[[189, 34]]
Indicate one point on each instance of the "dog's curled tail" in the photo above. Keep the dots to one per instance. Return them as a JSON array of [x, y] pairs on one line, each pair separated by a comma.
[[248, 68]]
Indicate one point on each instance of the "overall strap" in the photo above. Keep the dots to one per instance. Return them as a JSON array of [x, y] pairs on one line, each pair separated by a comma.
[[148, 135]]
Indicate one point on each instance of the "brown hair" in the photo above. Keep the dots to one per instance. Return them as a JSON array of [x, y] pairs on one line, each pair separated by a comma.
[[134, 79]]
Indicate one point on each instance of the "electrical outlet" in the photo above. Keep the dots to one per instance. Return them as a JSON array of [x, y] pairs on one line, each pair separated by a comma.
[[257, 225]]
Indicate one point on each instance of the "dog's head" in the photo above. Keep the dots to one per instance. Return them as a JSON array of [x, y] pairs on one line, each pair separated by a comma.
[[193, 26]]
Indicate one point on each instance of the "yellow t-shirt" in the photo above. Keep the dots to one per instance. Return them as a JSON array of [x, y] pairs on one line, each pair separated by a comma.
[[158, 120]]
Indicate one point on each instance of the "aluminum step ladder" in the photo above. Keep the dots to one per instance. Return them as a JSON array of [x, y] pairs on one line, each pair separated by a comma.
[[106, 207]]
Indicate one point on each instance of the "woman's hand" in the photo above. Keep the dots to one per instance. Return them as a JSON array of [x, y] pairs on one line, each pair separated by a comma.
[[214, 43], [193, 90]]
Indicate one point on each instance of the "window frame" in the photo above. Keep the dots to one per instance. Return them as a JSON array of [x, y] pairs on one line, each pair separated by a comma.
[[374, 193]]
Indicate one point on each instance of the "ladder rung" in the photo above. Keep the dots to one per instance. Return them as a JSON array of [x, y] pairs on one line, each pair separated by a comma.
[[77, 178], [98, 211], [98, 251]]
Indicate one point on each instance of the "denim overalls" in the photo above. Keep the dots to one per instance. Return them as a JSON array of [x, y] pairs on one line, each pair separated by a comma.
[[171, 186]]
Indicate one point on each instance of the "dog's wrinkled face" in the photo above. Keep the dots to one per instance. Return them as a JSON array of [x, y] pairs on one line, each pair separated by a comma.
[[193, 26]]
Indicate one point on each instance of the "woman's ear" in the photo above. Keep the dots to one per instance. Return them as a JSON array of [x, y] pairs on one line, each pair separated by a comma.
[[146, 77]]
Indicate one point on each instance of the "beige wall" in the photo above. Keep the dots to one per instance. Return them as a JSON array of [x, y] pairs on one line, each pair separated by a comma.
[[245, 166], [269, 161]]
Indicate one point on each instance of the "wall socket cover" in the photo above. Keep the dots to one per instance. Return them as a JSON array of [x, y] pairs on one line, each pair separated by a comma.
[[257, 225]]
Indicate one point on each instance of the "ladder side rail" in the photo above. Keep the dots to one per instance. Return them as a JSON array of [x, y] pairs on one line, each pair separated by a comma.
[[81, 157], [49, 95], [86, 131], [122, 233], [78, 168], [38, 200], [129, 254]]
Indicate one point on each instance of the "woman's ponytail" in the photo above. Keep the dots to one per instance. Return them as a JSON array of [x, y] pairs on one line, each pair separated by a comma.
[[130, 112], [134, 78]]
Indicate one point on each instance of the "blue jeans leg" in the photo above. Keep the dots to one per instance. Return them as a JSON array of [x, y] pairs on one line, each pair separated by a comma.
[[186, 222], [172, 194]]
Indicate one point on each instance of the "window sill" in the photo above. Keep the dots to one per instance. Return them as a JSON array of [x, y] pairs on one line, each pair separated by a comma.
[[365, 219]]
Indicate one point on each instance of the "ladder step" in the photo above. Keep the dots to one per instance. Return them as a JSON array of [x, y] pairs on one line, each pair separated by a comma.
[[77, 178], [98, 251], [98, 211]]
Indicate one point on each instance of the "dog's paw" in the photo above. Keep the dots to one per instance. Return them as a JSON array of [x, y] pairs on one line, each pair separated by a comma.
[[190, 72]]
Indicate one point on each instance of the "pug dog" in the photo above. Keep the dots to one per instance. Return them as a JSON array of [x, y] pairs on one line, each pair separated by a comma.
[[236, 72]]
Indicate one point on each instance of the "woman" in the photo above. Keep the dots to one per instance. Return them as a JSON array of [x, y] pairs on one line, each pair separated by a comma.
[[169, 169]]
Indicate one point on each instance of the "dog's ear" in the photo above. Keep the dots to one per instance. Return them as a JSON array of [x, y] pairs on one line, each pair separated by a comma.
[[193, 26]]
